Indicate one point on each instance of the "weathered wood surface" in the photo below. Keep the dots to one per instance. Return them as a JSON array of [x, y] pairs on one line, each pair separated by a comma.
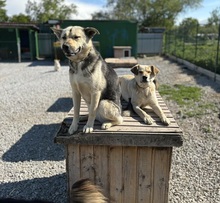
[[126, 174], [132, 132], [121, 62]]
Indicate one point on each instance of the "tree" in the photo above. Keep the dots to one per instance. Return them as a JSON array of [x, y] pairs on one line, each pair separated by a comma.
[[149, 13], [214, 19], [101, 15], [20, 18], [188, 27], [47, 9], [3, 15]]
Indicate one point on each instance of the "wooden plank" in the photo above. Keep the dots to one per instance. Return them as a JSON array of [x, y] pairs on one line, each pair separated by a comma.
[[123, 139], [101, 167], [129, 174], [138, 121], [72, 165], [121, 62], [132, 126], [139, 129], [144, 167], [161, 168], [87, 166], [115, 171]]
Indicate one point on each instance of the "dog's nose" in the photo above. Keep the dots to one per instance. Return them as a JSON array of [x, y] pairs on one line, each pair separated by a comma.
[[144, 78], [65, 47]]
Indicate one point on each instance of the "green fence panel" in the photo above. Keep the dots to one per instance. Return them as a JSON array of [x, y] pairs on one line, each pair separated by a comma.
[[198, 45], [112, 33]]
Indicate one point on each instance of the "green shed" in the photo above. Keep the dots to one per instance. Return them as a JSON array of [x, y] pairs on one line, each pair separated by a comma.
[[112, 33], [18, 41]]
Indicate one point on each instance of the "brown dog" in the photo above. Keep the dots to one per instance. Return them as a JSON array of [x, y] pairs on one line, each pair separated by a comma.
[[84, 191], [141, 91]]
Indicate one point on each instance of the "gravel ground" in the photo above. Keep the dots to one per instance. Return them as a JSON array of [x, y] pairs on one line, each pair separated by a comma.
[[35, 99]]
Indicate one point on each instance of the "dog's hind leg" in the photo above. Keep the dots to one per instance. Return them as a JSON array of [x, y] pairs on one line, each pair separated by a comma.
[[107, 125], [109, 114]]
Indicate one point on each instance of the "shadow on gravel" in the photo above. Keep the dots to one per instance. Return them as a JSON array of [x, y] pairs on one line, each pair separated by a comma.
[[51, 189], [37, 144], [41, 63], [61, 105], [46, 63]]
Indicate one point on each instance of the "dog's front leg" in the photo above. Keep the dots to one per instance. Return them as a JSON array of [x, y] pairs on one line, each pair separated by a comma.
[[146, 118], [76, 102], [95, 98], [159, 112]]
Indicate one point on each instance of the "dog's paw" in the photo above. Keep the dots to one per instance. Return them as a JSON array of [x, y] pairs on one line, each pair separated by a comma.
[[72, 129], [165, 121], [106, 126], [148, 120], [87, 129]]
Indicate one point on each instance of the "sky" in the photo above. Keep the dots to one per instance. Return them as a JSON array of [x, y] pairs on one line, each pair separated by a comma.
[[87, 7]]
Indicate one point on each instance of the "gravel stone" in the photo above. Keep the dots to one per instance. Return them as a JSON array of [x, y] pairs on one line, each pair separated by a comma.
[[34, 101]]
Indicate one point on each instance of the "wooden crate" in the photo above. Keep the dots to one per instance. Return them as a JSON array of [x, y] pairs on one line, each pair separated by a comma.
[[121, 62], [131, 162]]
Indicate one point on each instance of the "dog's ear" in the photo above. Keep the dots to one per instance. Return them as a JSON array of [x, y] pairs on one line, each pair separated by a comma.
[[134, 69], [154, 70], [91, 31], [57, 32]]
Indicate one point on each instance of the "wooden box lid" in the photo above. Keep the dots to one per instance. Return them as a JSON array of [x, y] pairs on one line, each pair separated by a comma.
[[132, 132]]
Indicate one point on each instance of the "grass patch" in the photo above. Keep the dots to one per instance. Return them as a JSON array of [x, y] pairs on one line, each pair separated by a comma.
[[181, 94], [188, 98], [199, 110]]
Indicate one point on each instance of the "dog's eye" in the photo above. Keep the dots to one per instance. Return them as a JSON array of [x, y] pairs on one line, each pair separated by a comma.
[[76, 37], [64, 37], [141, 72]]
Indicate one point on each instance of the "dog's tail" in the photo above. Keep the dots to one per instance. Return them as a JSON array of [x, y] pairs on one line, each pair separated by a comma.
[[84, 191]]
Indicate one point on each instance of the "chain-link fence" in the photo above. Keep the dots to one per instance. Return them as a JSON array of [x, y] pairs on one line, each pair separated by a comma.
[[198, 44]]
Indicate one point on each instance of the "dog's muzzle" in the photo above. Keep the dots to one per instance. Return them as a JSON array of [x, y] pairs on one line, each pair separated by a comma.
[[68, 51]]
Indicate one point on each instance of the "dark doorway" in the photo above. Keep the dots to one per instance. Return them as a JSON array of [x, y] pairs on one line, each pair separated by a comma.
[[25, 45]]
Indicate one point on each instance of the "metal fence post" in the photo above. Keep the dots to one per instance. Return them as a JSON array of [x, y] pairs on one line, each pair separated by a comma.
[[183, 56], [165, 43], [36, 44], [217, 54], [175, 36], [196, 47], [18, 44]]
